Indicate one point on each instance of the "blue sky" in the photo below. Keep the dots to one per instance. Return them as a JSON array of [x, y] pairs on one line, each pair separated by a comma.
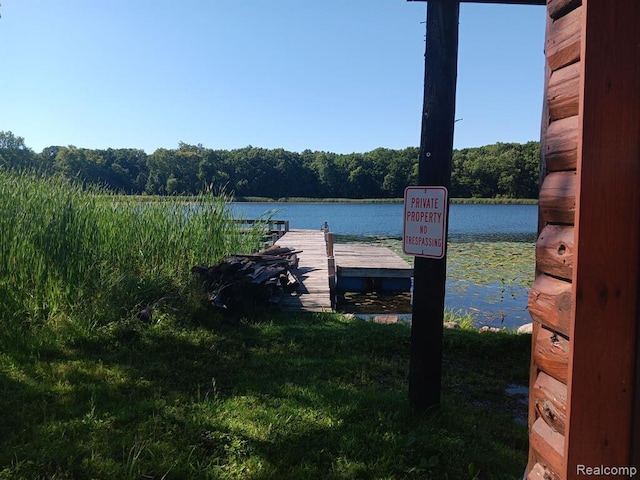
[[335, 75]]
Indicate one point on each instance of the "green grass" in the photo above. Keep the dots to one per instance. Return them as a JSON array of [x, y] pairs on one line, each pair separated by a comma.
[[462, 318], [306, 396]]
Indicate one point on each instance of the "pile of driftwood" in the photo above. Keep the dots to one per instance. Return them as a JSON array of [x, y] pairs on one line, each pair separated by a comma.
[[243, 280]]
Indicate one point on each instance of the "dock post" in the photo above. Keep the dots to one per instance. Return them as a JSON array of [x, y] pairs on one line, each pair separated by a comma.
[[329, 239], [331, 267]]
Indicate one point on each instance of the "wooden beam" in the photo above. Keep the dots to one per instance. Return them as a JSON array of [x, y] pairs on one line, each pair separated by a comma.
[[559, 8], [434, 168], [562, 44], [506, 2], [549, 397], [607, 251]]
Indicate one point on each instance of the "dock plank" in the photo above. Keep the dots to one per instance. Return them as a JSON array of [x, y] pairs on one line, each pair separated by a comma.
[[313, 294], [365, 260]]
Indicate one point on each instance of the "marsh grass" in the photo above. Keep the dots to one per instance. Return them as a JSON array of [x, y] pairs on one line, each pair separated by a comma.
[[82, 258], [465, 320]]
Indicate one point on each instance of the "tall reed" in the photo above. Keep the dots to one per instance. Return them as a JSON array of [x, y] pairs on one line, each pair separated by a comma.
[[66, 252]]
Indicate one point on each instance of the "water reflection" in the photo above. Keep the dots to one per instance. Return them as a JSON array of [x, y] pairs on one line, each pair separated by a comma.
[[491, 305], [488, 280]]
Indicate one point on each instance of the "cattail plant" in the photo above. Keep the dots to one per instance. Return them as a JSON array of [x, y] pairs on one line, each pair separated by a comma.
[[68, 252]]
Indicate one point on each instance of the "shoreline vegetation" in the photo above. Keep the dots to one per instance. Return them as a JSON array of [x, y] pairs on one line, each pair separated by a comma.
[[500, 170], [466, 201], [89, 389], [479, 201]]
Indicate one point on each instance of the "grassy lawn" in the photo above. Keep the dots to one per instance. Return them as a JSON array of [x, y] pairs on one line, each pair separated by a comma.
[[286, 396]]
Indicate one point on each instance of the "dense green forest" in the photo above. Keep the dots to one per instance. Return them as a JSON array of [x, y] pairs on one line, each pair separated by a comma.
[[508, 170]]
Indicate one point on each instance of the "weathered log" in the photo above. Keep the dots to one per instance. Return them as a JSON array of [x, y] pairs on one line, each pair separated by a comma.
[[540, 472], [557, 200], [278, 250], [536, 473], [559, 8], [549, 447], [562, 45], [550, 303], [551, 354], [554, 251], [550, 399], [563, 94], [561, 144]]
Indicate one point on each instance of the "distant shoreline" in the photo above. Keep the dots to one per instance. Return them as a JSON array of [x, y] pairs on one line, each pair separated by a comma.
[[481, 201], [187, 198]]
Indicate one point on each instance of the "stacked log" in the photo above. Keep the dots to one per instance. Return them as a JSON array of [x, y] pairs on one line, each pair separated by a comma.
[[550, 298], [242, 280]]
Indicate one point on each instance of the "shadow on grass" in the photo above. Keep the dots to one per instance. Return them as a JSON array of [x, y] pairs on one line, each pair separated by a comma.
[[303, 396]]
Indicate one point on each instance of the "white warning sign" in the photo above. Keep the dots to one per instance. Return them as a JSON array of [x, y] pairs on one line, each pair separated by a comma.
[[425, 221]]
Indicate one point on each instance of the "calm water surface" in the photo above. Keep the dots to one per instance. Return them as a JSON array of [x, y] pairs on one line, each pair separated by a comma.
[[466, 222], [493, 304]]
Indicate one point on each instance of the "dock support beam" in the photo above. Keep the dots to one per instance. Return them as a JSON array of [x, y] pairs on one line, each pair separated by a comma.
[[436, 151]]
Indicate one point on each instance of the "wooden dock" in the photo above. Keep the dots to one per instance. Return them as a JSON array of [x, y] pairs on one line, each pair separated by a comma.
[[365, 260], [364, 267], [313, 295], [358, 267]]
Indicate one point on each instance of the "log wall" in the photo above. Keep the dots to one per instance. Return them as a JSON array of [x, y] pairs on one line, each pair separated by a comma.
[[550, 298], [584, 405]]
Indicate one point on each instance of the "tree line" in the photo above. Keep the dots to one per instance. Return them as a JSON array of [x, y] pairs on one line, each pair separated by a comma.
[[508, 170]]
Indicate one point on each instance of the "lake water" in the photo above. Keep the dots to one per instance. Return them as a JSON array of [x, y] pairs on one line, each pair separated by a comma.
[[499, 305], [466, 222]]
